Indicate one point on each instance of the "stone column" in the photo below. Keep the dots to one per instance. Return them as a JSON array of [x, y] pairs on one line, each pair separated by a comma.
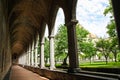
[[72, 47], [23, 57], [36, 56], [42, 63], [116, 11], [29, 56], [52, 59], [32, 55], [19, 60], [36, 53]]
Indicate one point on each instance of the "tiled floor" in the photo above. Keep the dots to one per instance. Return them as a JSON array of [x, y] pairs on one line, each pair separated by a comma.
[[19, 73]]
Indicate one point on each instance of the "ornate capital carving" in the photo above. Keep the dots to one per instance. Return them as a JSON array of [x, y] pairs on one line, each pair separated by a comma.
[[51, 36], [42, 43], [72, 22]]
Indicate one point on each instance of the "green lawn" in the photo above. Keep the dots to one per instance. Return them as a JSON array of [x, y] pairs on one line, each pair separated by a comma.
[[100, 65]]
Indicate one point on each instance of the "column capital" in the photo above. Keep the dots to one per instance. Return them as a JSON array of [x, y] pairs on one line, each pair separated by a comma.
[[72, 22], [42, 43], [36, 47], [51, 36]]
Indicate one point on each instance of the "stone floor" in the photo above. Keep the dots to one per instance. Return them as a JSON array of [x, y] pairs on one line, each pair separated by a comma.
[[19, 73]]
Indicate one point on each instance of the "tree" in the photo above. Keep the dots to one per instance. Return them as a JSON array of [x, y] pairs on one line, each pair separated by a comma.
[[46, 50], [61, 42], [114, 47], [81, 33], [111, 30], [109, 9], [104, 46], [81, 36], [89, 49]]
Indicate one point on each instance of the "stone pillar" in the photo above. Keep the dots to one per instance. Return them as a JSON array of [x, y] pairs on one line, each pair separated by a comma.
[[32, 55], [23, 57], [29, 56], [116, 11], [72, 47], [19, 60], [36, 56], [52, 59], [42, 63], [36, 53]]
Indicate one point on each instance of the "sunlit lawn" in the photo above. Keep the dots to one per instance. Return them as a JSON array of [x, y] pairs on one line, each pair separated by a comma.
[[100, 65]]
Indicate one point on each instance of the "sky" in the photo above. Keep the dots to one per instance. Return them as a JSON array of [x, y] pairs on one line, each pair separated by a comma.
[[90, 15]]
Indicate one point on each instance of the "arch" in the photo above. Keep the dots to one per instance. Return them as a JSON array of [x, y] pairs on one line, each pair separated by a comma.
[[59, 19], [69, 10], [52, 20]]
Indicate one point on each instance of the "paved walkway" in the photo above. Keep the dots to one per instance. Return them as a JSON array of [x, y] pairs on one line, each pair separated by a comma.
[[19, 73]]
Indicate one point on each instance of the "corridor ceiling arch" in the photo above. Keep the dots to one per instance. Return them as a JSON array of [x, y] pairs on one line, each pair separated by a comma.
[[28, 17]]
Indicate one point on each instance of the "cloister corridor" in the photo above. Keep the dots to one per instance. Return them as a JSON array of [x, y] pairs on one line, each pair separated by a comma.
[[22, 31], [19, 73]]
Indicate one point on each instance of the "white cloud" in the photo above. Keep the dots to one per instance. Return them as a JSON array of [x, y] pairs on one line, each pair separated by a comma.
[[90, 16]]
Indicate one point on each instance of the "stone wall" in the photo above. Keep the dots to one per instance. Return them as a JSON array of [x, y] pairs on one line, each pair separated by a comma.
[[5, 55], [64, 75]]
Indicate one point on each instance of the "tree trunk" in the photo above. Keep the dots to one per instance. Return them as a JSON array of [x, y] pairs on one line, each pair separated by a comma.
[[106, 58], [90, 59], [115, 56], [65, 61]]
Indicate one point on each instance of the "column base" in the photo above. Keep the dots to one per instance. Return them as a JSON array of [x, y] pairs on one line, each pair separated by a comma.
[[43, 68], [73, 70], [52, 68]]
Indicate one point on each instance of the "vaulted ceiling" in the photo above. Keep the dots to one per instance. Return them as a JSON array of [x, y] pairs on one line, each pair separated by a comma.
[[27, 19]]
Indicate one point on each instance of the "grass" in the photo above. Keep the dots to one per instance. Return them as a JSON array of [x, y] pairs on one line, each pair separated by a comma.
[[100, 65], [96, 64]]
